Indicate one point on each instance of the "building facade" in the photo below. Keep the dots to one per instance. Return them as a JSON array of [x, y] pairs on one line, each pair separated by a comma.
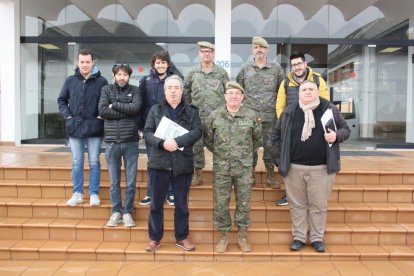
[[363, 48]]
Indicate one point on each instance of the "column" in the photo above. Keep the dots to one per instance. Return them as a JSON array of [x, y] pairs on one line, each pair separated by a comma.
[[223, 34]]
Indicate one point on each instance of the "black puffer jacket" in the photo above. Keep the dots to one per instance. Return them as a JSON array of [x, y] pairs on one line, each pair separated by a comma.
[[179, 162], [78, 103], [121, 118]]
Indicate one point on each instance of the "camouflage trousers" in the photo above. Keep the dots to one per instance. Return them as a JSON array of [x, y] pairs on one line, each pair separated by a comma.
[[199, 159], [224, 179], [267, 145]]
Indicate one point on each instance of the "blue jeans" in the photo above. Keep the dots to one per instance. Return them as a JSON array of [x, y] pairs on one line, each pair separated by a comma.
[[160, 180], [115, 152], [77, 147]]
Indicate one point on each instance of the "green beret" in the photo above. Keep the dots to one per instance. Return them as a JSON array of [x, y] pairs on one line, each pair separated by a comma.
[[257, 40], [234, 85], [205, 44]]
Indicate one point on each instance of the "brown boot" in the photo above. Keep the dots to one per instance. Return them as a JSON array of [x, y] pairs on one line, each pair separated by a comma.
[[221, 246], [197, 177], [271, 181], [243, 243]]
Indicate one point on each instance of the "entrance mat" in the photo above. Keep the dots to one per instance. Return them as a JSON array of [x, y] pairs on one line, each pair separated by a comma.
[[367, 153], [67, 149], [395, 146]]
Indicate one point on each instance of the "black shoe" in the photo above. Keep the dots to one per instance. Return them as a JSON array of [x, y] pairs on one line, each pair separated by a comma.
[[296, 245], [318, 246]]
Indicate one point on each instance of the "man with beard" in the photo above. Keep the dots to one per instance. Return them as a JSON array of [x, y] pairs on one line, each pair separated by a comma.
[[289, 89], [152, 90], [119, 106], [260, 79], [204, 87]]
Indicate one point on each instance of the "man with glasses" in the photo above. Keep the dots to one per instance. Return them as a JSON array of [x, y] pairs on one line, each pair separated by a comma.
[[289, 89], [261, 79], [78, 103], [119, 106], [204, 87], [233, 134]]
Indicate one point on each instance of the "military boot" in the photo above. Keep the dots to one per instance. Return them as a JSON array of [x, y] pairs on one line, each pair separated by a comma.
[[271, 181], [197, 177], [221, 246], [243, 243]]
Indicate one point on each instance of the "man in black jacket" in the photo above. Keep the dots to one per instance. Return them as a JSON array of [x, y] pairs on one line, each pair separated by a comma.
[[171, 161], [307, 154], [119, 105], [78, 104]]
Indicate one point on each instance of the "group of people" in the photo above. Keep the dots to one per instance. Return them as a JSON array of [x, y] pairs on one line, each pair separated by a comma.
[[232, 119]]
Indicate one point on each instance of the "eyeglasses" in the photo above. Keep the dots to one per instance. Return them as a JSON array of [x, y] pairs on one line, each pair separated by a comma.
[[206, 52], [297, 64], [237, 93]]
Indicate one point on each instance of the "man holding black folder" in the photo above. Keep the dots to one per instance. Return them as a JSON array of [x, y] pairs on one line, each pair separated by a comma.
[[307, 154]]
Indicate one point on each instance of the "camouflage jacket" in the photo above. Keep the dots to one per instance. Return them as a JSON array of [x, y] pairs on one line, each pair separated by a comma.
[[261, 86], [206, 91], [233, 140]]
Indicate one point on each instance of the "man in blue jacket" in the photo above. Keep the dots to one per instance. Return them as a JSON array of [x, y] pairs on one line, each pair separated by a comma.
[[78, 103], [307, 154]]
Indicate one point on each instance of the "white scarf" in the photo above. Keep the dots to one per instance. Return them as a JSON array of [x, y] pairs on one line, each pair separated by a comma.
[[309, 119]]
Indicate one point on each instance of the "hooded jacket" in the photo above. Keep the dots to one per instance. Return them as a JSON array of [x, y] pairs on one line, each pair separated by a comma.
[[78, 104]]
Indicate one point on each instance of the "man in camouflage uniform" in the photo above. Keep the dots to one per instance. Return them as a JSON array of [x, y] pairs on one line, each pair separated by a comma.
[[261, 79], [233, 133], [204, 87]]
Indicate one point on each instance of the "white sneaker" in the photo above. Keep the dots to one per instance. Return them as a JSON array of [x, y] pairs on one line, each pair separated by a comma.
[[94, 200], [128, 221], [114, 220], [75, 199]]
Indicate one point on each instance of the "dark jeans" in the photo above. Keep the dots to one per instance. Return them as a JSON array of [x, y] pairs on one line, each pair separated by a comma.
[[159, 180], [170, 189], [115, 152]]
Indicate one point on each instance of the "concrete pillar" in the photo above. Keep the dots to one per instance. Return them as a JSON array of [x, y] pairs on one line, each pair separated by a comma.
[[409, 138], [10, 72], [223, 34]]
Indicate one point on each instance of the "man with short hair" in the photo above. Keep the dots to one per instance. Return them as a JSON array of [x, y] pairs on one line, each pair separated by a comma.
[[289, 89], [171, 161], [78, 104], [307, 154], [261, 79], [204, 87], [119, 106], [233, 134]]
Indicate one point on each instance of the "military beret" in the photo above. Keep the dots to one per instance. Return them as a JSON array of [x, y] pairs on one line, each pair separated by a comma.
[[205, 44], [234, 85], [257, 40]]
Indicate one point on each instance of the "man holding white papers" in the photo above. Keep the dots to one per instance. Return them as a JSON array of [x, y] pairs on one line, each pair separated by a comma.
[[167, 163], [307, 163]]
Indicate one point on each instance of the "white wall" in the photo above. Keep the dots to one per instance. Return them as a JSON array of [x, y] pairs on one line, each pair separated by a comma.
[[10, 72]]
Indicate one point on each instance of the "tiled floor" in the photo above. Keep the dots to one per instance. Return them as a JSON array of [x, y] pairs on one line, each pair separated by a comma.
[[291, 268]]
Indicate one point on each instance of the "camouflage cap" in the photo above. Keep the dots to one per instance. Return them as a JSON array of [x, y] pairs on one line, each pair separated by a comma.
[[205, 44], [234, 85], [257, 40]]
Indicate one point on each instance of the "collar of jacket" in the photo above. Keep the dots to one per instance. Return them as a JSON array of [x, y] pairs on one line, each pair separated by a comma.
[[124, 88], [153, 74], [94, 74]]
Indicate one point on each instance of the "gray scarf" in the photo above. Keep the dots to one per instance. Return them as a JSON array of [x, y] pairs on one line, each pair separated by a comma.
[[309, 119]]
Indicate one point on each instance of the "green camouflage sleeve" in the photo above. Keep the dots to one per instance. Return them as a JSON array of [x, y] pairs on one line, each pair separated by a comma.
[[208, 133], [240, 77], [187, 87], [257, 133]]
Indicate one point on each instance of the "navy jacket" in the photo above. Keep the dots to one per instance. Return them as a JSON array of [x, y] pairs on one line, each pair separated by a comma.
[[281, 138], [78, 103], [152, 90]]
